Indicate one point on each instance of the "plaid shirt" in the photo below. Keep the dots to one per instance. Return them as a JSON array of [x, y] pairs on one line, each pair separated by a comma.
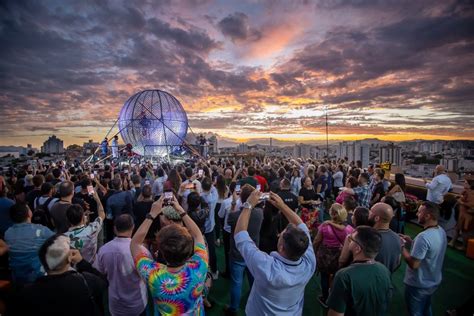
[[364, 195]]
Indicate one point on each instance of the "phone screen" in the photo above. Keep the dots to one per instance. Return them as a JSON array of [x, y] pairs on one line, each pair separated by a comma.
[[95, 172], [90, 190], [168, 195], [200, 172], [147, 182], [237, 188], [125, 171], [259, 187], [92, 176], [189, 186]]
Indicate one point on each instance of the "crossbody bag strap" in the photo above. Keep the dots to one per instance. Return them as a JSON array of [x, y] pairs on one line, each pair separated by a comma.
[[335, 234]]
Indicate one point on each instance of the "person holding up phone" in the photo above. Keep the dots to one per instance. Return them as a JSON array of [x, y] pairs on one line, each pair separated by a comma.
[[190, 259], [189, 185]]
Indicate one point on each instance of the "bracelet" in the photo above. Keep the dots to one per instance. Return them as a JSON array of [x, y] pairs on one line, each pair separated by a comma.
[[150, 217]]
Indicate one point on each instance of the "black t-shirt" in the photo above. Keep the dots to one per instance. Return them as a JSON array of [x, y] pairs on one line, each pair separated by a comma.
[[323, 181], [63, 294], [140, 209], [308, 194], [31, 197], [378, 189], [289, 198]]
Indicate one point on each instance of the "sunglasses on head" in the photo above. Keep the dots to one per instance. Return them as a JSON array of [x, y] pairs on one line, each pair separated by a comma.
[[355, 241]]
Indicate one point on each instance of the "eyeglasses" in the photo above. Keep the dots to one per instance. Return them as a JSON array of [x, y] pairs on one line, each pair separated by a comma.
[[355, 241]]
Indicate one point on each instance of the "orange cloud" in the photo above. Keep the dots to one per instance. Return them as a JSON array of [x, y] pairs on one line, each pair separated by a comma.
[[275, 38]]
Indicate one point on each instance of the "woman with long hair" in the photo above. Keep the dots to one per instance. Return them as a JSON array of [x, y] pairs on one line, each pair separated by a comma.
[[399, 188], [173, 182], [222, 194]]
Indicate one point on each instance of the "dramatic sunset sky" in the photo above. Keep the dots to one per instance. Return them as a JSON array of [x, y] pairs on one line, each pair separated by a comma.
[[391, 69]]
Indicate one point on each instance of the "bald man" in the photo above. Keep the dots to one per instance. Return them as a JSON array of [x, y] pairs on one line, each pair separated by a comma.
[[439, 186], [391, 249]]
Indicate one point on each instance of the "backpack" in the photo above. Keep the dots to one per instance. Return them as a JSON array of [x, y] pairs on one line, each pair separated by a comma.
[[41, 214]]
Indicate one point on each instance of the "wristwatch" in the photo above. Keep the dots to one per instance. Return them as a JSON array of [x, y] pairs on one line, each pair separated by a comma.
[[149, 216], [183, 214], [247, 205]]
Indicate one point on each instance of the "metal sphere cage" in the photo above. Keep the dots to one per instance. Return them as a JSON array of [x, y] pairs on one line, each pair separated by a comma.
[[153, 122]]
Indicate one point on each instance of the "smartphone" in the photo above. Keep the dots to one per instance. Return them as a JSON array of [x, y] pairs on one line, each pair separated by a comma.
[[237, 188], [168, 198], [95, 172], [200, 172], [125, 171], [189, 186], [147, 182], [259, 187], [92, 176], [265, 196], [90, 190]]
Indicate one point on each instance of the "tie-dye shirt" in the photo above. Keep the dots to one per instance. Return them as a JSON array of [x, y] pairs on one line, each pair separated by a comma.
[[175, 293]]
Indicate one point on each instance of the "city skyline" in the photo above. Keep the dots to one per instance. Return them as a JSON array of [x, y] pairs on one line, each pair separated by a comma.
[[394, 70]]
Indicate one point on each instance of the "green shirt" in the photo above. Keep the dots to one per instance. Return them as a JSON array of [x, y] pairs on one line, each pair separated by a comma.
[[361, 289]]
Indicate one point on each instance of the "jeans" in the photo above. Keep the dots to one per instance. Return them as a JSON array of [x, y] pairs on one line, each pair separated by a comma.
[[226, 239], [211, 248], [237, 269], [321, 213], [218, 221], [325, 284], [419, 300]]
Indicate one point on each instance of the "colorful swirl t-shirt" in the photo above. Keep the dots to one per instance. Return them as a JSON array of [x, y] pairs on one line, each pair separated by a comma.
[[175, 293]]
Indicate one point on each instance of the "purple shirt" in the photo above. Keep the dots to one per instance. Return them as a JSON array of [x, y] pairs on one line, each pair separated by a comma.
[[127, 292]]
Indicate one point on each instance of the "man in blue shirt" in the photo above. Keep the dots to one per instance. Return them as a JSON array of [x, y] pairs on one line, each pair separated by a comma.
[[425, 261], [24, 240], [281, 277], [120, 202]]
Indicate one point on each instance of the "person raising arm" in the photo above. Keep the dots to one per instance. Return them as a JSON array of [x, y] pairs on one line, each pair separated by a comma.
[[155, 211]]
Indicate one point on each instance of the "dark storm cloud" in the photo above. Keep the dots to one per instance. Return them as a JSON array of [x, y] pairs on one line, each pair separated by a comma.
[[64, 63], [193, 39], [54, 59], [236, 26], [431, 55], [429, 32]]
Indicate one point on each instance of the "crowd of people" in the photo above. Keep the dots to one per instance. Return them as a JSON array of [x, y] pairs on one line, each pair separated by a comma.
[[144, 238]]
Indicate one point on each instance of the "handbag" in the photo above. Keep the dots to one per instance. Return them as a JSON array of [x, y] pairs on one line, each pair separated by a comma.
[[328, 257]]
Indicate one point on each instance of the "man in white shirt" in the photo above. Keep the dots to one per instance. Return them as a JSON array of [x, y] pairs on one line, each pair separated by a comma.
[[84, 236], [115, 151], [439, 186]]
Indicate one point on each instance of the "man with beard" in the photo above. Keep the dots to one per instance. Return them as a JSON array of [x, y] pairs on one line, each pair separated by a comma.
[[364, 287], [390, 250], [425, 260]]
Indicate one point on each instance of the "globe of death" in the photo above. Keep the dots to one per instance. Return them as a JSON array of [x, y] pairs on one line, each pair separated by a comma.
[[153, 122]]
